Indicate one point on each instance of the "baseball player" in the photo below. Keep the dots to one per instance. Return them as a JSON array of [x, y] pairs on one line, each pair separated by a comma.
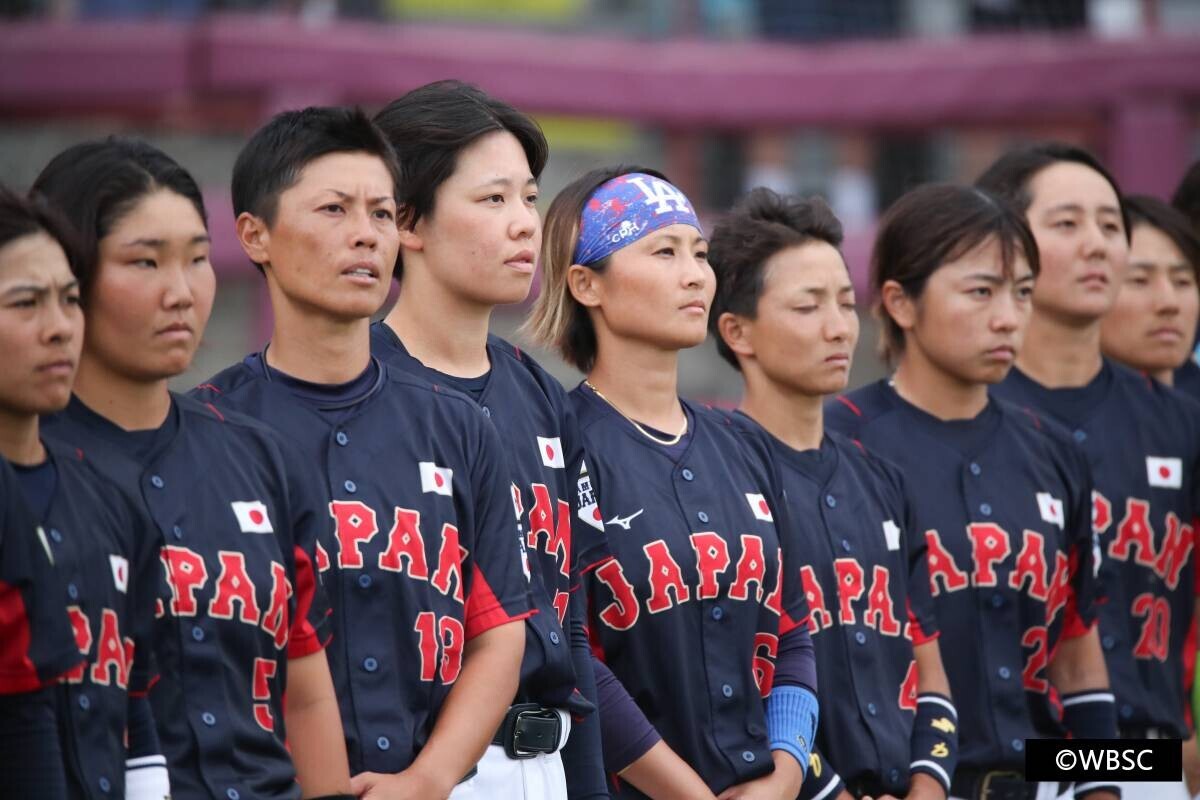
[[421, 553], [1001, 497], [696, 615], [1143, 441], [1186, 200], [36, 640], [784, 317], [239, 620], [468, 242]]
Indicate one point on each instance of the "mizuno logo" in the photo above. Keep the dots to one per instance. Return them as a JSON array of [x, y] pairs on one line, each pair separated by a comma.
[[624, 521]]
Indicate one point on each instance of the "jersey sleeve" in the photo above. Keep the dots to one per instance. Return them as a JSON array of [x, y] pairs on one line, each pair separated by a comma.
[[589, 546], [36, 641], [144, 577], [311, 627], [1085, 590], [498, 586], [921, 614]]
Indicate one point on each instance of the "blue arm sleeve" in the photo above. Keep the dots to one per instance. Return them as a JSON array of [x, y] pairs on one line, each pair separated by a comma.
[[143, 737], [582, 757]]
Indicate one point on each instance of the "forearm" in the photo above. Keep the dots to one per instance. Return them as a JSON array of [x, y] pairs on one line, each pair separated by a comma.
[[625, 733], [1078, 665], [582, 757], [663, 775], [475, 706], [314, 727]]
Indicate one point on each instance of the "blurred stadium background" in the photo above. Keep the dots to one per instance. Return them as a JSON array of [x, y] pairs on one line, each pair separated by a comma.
[[856, 100]]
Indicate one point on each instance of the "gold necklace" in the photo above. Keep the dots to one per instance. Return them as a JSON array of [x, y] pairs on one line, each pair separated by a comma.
[[664, 442]]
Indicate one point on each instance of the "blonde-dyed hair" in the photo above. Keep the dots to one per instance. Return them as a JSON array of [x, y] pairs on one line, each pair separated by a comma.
[[557, 320]]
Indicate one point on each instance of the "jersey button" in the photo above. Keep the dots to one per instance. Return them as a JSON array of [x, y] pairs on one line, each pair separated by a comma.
[[342, 438], [156, 482], [860, 637], [383, 743], [985, 509], [846, 545], [717, 612], [1018, 745], [554, 637], [1126, 711], [198, 633], [1079, 435], [177, 532], [975, 468], [364, 581], [871, 709], [747, 756], [997, 600], [702, 516], [370, 664], [105, 785], [830, 500], [727, 690], [1108, 642], [350, 487], [56, 535], [688, 474], [1004, 673], [85, 702], [894, 775], [208, 719], [72, 591], [232, 794], [487, 412]]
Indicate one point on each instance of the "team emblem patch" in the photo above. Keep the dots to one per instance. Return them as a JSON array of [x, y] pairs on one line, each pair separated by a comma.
[[758, 504], [436, 479], [551, 450], [585, 500], [120, 572], [891, 534], [252, 516], [1165, 473], [1051, 509]]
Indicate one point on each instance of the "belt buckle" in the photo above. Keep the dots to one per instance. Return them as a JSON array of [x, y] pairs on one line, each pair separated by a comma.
[[521, 711], [985, 785]]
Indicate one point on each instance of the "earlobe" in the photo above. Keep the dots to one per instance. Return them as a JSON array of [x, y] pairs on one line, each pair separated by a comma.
[[410, 239], [736, 332], [254, 237], [584, 286]]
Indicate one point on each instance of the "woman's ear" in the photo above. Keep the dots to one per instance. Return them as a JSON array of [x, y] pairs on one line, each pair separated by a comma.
[[897, 304], [736, 331], [254, 237], [585, 285]]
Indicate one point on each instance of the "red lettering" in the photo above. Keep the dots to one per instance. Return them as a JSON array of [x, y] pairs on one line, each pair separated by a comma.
[[881, 612], [1060, 587], [110, 663], [186, 573], [752, 566], [82, 629], [990, 545], [1031, 567], [941, 565], [712, 559], [557, 533], [234, 585], [1037, 638], [1134, 530], [665, 575], [1101, 513], [450, 558], [405, 543], [622, 612], [1155, 639], [427, 644], [819, 617], [264, 670], [1176, 547], [452, 639], [354, 523], [276, 620], [560, 605], [908, 688], [766, 647], [850, 581], [322, 558], [775, 598]]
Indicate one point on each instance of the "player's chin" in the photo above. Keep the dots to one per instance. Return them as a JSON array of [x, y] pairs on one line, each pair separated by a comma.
[[42, 399], [505, 289]]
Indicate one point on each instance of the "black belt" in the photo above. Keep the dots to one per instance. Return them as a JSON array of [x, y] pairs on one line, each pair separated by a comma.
[[528, 730], [978, 784]]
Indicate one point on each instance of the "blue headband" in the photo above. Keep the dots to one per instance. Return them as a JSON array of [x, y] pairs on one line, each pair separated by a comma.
[[626, 209]]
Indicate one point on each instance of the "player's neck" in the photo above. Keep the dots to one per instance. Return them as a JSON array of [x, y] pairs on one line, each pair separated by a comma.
[[317, 348], [935, 391], [794, 418], [19, 441], [442, 331], [643, 383], [1164, 376], [1060, 355], [132, 405]]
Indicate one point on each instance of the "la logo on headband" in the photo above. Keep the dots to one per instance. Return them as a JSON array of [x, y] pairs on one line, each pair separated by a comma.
[[661, 195]]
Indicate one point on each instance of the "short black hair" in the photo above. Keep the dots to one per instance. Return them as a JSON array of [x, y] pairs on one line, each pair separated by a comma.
[[96, 183], [432, 124], [26, 216], [271, 162], [1187, 196], [1146, 210], [931, 226], [1008, 177], [760, 225]]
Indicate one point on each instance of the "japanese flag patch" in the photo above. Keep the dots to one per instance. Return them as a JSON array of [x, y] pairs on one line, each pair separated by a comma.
[[891, 534], [758, 504], [1051, 509], [436, 479], [551, 450], [1165, 473], [252, 516], [120, 571]]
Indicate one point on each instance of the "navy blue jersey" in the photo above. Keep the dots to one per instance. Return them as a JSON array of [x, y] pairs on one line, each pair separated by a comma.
[[419, 544], [1143, 442], [36, 642], [104, 552], [1187, 379], [689, 613], [1003, 502], [556, 506], [864, 574], [237, 594]]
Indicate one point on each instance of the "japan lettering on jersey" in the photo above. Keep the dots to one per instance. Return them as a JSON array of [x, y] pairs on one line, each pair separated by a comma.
[[863, 569], [420, 554], [558, 513], [36, 640], [1143, 443], [233, 602], [1003, 503], [697, 574]]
